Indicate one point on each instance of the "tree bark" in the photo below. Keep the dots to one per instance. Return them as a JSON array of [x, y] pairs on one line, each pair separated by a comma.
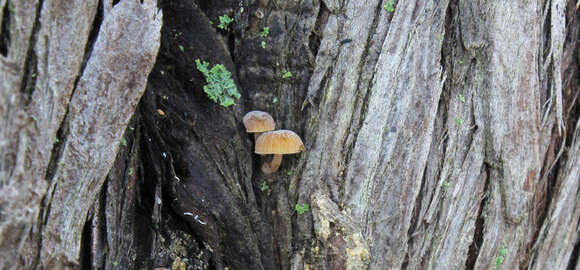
[[438, 134]]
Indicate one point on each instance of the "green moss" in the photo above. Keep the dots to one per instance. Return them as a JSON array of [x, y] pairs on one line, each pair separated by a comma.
[[302, 208], [264, 186], [225, 22], [389, 6], [265, 32], [500, 257]]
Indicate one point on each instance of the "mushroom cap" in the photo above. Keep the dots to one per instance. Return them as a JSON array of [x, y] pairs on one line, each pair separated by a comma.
[[258, 121], [279, 142]]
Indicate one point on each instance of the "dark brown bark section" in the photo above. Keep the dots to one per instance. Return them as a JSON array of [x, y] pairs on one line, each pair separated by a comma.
[[196, 193]]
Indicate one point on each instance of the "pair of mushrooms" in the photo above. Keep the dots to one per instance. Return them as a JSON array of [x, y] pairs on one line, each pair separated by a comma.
[[270, 141]]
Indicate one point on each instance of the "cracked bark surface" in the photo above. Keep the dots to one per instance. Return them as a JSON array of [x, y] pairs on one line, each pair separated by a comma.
[[442, 135]]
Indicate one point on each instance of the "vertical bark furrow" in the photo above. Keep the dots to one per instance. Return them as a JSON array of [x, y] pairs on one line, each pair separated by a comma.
[[128, 41], [370, 57], [451, 216], [390, 146], [30, 65], [338, 95], [559, 233], [344, 56], [5, 18]]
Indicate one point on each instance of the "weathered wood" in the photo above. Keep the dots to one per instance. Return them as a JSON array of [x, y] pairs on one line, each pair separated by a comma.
[[128, 41], [21, 179], [371, 122], [438, 135]]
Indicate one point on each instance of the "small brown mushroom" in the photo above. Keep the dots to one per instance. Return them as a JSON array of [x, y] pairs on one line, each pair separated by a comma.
[[279, 142], [258, 122]]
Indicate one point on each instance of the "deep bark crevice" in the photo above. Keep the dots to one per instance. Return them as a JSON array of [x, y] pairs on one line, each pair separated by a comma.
[[57, 149], [363, 90], [45, 208], [30, 64], [547, 184], [95, 28], [86, 240], [575, 258], [477, 241], [5, 38], [316, 35]]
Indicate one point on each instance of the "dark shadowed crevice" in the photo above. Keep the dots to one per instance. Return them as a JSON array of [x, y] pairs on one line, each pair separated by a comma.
[[5, 31], [144, 225], [415, 222], [86, 240], [30, 73], [30, 68], [545, 187], [544, 53], [95, 28], [203, 4], [98, 227], [43, 215], [57, 149], [450, 39], [115, 2], [575, 257], [477, 241], [316, 34]]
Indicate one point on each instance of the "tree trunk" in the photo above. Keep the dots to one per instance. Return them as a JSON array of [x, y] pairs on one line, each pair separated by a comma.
[[438, 135]]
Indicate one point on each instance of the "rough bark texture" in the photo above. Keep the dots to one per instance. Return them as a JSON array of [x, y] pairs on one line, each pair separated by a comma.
[[67, 96], [442, 134]]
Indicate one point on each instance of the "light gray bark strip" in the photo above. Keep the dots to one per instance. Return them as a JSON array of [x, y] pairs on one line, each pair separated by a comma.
[[106, 96], [447, 230], [21, 186], [381, 188], [60, 48], [337, 75], [339, 93], [513, 131], [558, 38]]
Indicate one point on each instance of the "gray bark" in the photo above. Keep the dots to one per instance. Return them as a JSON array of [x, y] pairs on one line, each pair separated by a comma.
[[441, 135], [89, 92]]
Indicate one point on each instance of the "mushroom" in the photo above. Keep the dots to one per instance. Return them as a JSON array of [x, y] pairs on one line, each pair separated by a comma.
[[279, 142], [258, 122]]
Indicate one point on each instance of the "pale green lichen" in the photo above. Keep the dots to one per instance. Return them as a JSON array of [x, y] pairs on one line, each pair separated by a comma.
[[220, 85]]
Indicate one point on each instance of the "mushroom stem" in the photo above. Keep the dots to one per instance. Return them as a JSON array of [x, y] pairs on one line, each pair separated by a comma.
[[272, 167]]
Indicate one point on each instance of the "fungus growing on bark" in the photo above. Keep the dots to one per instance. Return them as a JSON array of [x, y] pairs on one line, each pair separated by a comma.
[[258, 122], [278, 143]]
